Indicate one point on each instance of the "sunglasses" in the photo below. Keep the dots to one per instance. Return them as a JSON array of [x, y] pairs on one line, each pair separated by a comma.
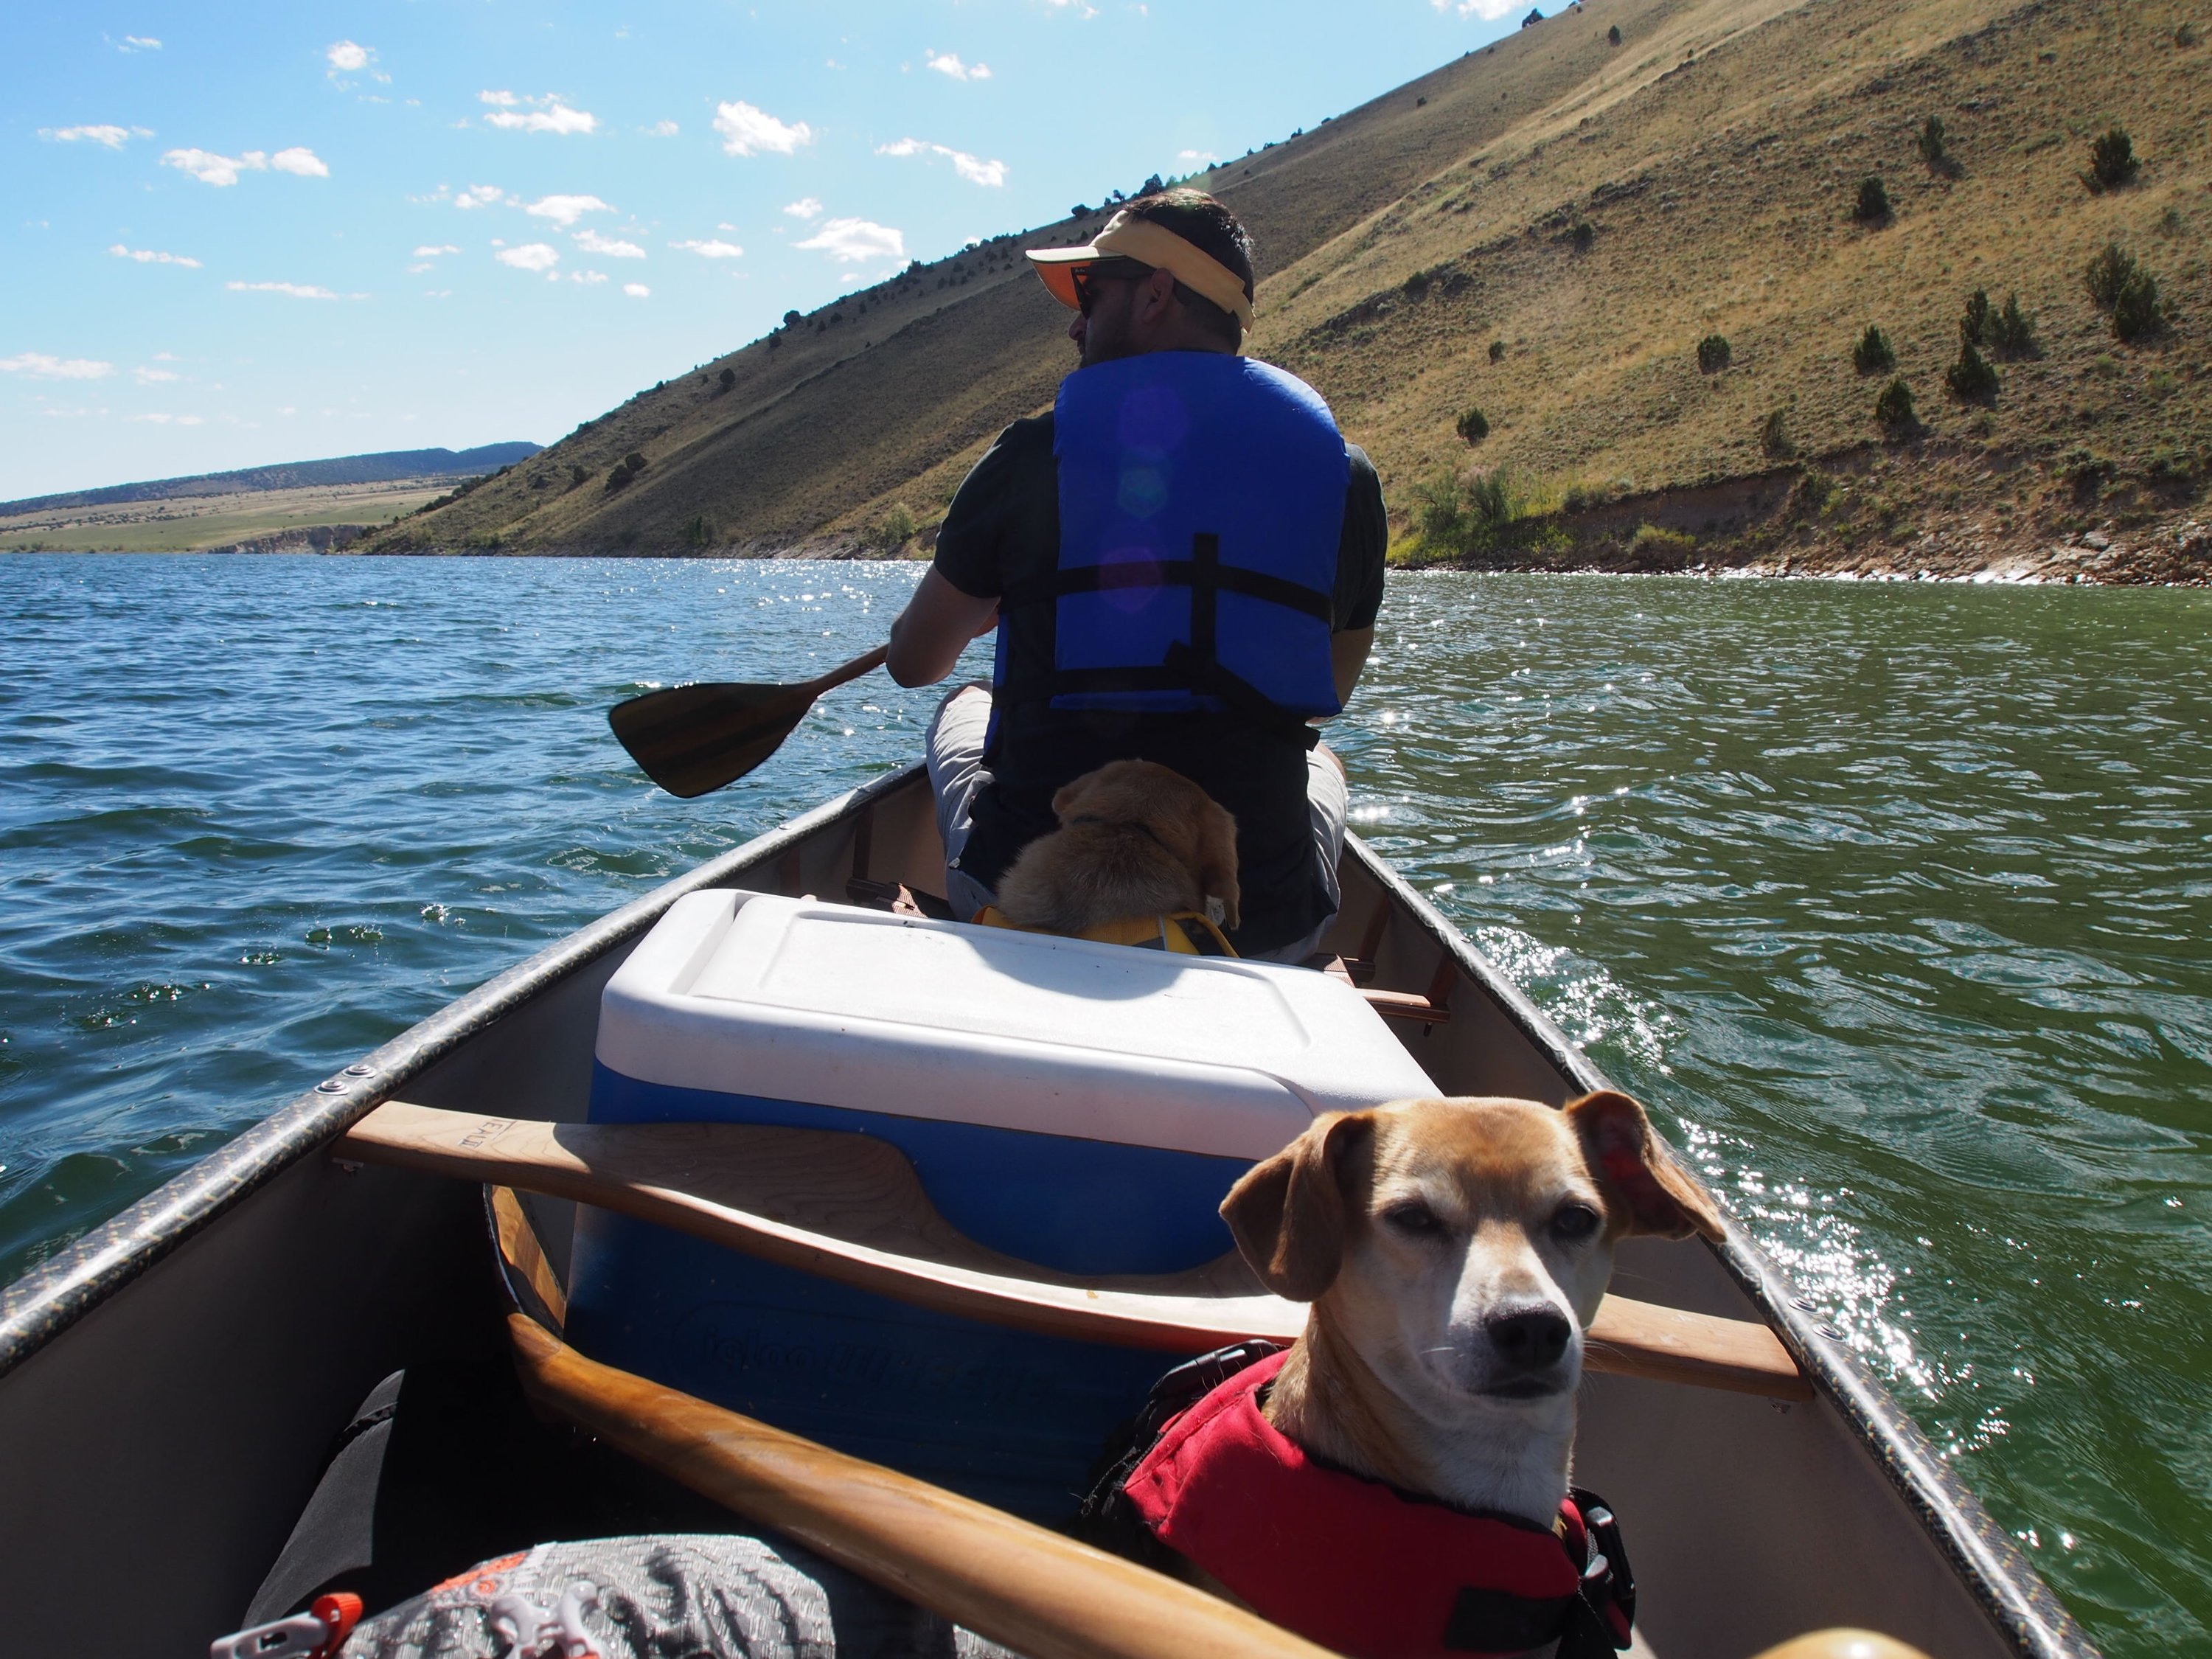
[[1087, 278]]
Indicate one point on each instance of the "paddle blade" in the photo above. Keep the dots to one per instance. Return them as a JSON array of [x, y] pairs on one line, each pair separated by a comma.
[[692, 739]]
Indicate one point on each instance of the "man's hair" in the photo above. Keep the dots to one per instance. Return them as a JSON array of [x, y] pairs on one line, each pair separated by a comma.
[[1208, 225]]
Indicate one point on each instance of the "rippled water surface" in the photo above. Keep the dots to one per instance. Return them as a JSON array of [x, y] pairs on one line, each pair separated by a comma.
[[1896, 904]]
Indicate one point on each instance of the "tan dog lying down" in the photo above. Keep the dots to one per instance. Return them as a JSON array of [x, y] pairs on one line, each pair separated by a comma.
[[1135, 839], [1453, 1251]]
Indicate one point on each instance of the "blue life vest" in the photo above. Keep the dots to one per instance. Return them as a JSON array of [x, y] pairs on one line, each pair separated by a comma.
[[1201, 507]]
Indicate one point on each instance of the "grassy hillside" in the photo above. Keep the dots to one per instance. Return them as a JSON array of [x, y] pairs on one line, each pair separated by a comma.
[[387, 466], [1546, 231], [317, 517]]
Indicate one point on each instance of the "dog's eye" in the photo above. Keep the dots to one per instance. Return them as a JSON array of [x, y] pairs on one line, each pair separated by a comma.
[[1414, 1218], [1575, 1222]]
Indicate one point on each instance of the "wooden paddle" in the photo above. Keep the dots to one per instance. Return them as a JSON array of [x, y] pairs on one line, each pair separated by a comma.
[[692, 739], [851, 1208], [1035, 1591]]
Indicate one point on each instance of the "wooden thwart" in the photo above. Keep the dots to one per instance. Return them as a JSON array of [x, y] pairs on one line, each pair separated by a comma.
[[850, 1208]]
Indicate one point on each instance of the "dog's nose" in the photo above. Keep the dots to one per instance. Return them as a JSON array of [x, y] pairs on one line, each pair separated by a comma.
[[1529, 1337]]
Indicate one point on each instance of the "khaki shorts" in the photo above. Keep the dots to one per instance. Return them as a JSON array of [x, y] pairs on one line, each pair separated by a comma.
[[955, 751]]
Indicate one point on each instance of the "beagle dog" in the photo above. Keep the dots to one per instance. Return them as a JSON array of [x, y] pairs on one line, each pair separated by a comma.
[[1453, 1252]]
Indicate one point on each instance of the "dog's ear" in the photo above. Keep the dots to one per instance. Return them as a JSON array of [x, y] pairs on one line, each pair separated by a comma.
[[1067, 794], [1653, 1194], [1289, 1215], [1217, 860]]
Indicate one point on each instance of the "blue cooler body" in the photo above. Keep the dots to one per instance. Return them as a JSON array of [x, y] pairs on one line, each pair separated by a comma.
[[1082, 1106]]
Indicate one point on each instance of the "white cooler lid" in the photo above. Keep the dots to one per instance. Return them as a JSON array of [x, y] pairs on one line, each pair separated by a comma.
[[795, 1000]]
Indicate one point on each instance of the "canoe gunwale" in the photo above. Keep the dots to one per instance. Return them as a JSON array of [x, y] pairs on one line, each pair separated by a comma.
[[45, 1302], [2003, 1579]]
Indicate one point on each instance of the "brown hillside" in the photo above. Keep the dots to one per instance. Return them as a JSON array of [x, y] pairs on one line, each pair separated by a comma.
[[1598, 209]]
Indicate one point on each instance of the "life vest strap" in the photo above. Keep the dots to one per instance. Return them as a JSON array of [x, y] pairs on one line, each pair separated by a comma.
[[1170, 573]]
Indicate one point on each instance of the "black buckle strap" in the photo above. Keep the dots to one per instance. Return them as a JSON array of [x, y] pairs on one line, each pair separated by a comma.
[[1173, 573]]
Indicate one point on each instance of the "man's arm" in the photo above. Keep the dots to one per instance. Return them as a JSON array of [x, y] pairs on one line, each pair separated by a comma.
[[1347, 655], [935, 628]]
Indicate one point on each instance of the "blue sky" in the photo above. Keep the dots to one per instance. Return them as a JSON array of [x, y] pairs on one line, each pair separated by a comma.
[[260, 233]]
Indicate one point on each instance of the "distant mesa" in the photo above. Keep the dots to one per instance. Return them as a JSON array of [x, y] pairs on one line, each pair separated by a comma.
[[384, 467]]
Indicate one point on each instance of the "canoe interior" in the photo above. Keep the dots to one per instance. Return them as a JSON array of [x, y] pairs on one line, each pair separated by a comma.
[[168, 1436]]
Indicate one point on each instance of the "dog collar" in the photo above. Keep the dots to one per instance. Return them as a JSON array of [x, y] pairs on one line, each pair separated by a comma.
[[1362, 1568]]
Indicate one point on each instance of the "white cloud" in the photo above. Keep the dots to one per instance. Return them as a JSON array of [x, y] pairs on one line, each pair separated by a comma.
[[949, 62], [155, 376], [477, 196], [530, 256], [749, 131], [661, 130], [608, 247], [637, 290], [806, 207], [853, 241], [147, 256], [349, 57], [138, 43], [417, 270], [210, 169], [972, 168], [565, 210], [1489, 10], [1203, 157], [165, 420], [297, 290], [40, 366], [102, 133], [587, 277], [713, 249], [427, 252], [546, 114]]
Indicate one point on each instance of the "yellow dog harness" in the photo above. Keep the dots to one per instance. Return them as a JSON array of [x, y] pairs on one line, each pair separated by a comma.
[[1184, 933]]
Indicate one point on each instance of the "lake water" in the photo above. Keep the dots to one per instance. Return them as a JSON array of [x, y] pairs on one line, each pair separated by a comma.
[[1896, 903]]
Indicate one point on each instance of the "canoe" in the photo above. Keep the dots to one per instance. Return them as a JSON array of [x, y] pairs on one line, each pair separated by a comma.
[[170, 1385]]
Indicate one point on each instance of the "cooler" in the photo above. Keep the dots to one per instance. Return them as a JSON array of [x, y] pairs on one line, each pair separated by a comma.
[[1083, 1106]]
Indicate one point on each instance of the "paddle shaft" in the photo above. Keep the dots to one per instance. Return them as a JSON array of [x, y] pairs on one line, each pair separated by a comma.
[[849, 1208], [1033, 1590]]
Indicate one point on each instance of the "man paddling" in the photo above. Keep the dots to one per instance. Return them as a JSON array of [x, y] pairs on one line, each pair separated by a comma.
[[1183, 562]]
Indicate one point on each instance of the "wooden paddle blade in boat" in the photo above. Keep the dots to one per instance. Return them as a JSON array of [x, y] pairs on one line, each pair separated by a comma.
[[1016, 1583], [850, 1208], [693, 740]]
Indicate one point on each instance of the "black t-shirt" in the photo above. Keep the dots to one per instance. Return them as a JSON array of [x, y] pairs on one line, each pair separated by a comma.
[[1003, 529]]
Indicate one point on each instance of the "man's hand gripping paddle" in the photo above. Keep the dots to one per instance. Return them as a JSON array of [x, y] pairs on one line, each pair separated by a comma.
[[692, 739]]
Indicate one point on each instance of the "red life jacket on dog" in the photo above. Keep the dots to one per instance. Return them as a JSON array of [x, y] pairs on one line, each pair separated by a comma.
[[1364, 1569]]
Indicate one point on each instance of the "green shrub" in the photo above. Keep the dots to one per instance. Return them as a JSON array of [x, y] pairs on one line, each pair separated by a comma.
[[1893, 411], [894, 530], [1712, 354], [2136, 311], [1976, 325], [2184, 37], [1453, 517], [698, 532], [1971, 379], [1497, 351], [1654, 545], [1932, 150], [2108, 273], [1584, 234], [1416, 284], [634, 462], [1613, 35], [1872, 355], [729, 379], [2012, 331], [1774, 438], [576, 475], [1873, 205], [2112, 160], [1472, 427]]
